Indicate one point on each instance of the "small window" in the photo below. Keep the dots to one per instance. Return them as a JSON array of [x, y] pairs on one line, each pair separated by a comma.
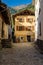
[[17, 18], [17, 28], [29, 20], [39, 10], [20, 19], [39, 31], [20, 28], [28, 28], [37, 19]]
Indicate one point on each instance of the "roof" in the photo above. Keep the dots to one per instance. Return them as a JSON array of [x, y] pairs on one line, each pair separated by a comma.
[[25, 12]]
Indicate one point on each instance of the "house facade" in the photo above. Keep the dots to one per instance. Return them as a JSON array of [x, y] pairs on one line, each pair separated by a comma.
[[24, 26]]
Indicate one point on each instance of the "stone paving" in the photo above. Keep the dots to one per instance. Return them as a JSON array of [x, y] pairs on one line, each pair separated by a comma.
[[21, 54]]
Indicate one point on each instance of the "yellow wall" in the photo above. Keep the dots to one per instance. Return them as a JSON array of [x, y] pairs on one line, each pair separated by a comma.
[[5, 28], [24, 23]]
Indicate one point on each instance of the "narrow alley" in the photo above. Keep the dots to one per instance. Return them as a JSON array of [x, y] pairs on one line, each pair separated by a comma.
[[21, 54]]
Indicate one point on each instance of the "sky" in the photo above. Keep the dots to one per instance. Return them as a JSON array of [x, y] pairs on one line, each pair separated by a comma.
[[12, 3]]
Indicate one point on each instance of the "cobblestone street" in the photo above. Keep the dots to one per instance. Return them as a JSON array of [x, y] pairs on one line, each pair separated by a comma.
[[21, 54]]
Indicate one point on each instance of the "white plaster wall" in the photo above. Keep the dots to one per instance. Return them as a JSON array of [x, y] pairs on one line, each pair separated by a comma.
[[37, 5], [41, 20]]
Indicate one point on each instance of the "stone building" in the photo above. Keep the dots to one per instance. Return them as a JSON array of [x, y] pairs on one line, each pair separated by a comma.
[[4, 23], [37, 6], [39, 24], [24, 26]]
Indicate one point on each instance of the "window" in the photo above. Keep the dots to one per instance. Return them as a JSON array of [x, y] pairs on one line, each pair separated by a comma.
[[29, 20], [28, 28], [39, 10], [37, 19], [40, 28], [20, 28], [17, 28], [20, 19], [17, 18]]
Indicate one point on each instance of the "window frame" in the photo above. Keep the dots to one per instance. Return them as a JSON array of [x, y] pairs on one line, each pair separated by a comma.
[[30, 20]]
